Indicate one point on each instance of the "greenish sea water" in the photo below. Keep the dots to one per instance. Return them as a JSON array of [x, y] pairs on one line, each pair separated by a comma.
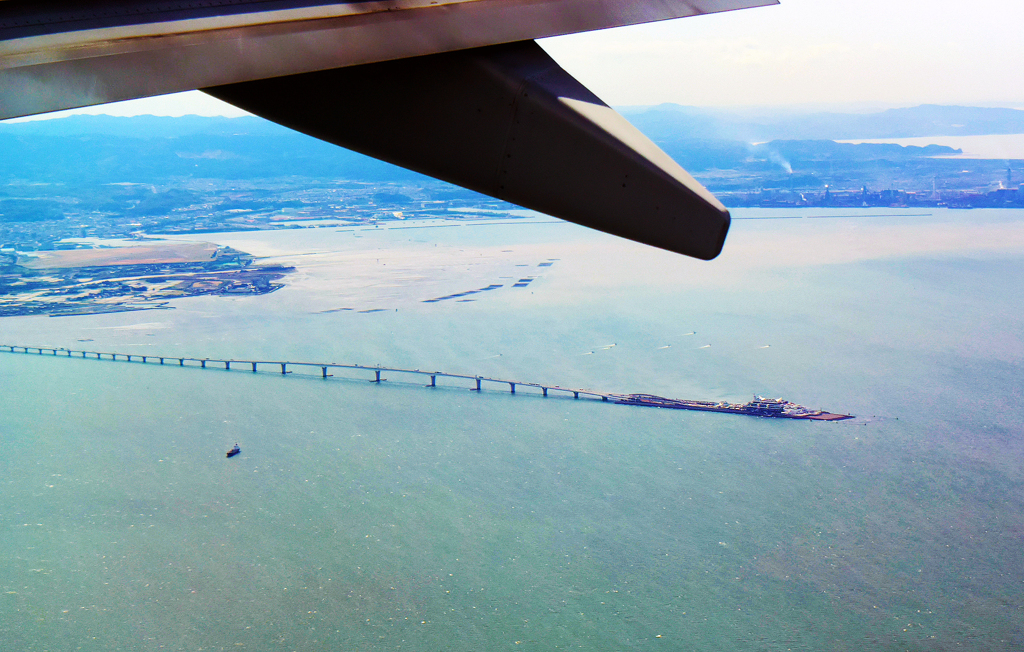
[[392, 516]]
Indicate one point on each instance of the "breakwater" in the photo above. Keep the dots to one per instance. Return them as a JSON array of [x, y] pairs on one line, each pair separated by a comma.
[[760, 406]]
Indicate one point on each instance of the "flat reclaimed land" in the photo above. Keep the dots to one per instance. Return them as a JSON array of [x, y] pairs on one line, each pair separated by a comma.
[[119, 279], [155, 254]]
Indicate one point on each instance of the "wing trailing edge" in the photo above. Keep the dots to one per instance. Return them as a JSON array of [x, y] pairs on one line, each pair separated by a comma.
[[508, 122]]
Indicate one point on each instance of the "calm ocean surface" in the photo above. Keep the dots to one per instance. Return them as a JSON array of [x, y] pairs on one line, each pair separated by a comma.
[[366, 517]]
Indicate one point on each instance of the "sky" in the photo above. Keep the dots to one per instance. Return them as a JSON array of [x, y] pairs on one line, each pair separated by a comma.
[[837, 54], [882, 52]]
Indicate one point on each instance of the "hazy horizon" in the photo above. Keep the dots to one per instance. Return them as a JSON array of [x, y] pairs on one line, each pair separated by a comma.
[[198, 104]]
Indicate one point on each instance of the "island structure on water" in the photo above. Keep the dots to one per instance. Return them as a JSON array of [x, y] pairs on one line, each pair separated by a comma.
[[127, 278], [759, 407]]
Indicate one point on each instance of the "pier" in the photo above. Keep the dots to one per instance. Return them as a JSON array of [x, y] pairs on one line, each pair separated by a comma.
[[760, 406]]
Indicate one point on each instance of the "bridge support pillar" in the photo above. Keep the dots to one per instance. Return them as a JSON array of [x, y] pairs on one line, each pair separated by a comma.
[[161, 360], [512, 386], [181, 362], [129, 358], [378, 376], [323, 370], [433, 381], [284, 368], [604, 398], [478, 384], [575, 394], [545, 390], [202, 363], [227, 365], [143, 359], [254, 367]]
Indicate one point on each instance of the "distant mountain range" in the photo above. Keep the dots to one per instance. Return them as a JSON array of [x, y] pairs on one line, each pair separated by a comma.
[[661, 122], [145, 126], [147, 149], [89, 150], [667, 122]]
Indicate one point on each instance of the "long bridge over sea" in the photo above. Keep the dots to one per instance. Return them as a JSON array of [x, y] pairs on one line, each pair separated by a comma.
[[760, 406], [321, 369]]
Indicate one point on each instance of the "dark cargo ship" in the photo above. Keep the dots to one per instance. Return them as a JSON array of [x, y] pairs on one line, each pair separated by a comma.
[[759, 407]]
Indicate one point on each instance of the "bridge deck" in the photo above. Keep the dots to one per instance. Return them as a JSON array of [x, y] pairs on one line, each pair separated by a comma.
[[282, 367]]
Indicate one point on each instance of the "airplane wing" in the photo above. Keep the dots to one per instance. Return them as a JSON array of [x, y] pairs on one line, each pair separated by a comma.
[[452, 88]]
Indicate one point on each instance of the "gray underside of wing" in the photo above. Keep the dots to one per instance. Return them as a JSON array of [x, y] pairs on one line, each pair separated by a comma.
[[59, 54], [506, 121]]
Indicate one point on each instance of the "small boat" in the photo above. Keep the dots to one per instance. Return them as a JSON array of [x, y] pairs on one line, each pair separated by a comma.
[[235, 450]]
